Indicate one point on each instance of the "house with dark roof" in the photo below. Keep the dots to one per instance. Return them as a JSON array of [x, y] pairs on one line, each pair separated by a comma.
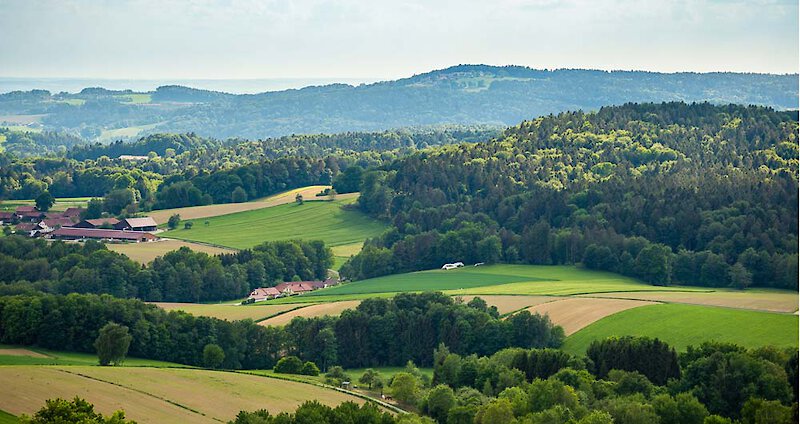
[[7, 218], [72, 233], [137, 224], [97, 223], [73, 213], [28, 213], [294, 287]]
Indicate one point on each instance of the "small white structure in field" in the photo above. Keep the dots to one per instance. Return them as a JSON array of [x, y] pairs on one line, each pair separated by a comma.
[[453, 265]]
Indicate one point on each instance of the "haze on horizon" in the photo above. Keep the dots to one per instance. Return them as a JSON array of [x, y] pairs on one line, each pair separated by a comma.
[[383, 39]]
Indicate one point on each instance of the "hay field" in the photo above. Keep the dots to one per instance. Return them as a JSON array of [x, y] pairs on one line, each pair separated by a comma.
[[575, 313], [229, 311], [684, 325], [317, 310], [158, 395], [146, 252], [506, 303], [208, 211], [762, 300]]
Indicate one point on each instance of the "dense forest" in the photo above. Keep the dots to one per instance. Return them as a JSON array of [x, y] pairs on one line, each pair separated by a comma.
[[216, 168], [28, 266], [669, 193], [465, 94]]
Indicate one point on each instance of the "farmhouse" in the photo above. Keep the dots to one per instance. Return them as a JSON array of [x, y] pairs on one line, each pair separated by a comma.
[[294, 287], [74, 213], [137, 224], [264, 293], [72, 233], [49, 224], [28, 214], [7, 218], [97, 223]]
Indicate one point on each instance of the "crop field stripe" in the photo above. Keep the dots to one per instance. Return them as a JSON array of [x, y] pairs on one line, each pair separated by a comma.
[[682, 325], [283, 312], [139, 391]]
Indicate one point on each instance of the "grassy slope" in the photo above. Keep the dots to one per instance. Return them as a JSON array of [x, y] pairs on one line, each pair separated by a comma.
[[146, 252], [6, 418], [498, 279], [61, 204], [684, 325], [73, 358], [326, 221]]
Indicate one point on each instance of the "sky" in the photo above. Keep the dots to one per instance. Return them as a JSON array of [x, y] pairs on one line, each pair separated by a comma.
[[388, 39]]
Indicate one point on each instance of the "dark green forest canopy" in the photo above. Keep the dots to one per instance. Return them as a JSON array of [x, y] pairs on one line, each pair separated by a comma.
[[669, 192], [466, 94]]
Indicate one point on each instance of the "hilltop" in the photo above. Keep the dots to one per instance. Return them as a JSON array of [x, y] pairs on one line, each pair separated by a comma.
[[464, 94]]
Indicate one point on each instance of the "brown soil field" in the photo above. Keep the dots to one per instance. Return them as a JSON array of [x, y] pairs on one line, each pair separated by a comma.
[[508, 303], [22, 352], [146, 252], [158, 395], [195, 212], [318, 310], [757, 300], [228, 311], [578, 312]]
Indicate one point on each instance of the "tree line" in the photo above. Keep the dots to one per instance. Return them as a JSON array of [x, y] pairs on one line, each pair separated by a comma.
[[670, 193], [28, 265], [72, 322]]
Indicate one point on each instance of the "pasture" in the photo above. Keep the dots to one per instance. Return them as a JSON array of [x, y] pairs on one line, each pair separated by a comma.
[[230, 311], [146, 252], [61, 203], [26, 355], [320, 220], [197, 212], [157, 395], [312, 311], [499, 280], [684, 325]]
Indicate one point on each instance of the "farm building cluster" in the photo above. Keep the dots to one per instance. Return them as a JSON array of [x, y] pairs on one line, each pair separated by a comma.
[[68, 225], [290, 288]]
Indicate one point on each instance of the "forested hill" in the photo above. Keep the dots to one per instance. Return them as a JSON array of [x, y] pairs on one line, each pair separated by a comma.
[[466, 94], [670, 193]]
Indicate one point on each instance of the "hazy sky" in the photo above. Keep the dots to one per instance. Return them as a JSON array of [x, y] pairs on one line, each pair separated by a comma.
[[152, 39]]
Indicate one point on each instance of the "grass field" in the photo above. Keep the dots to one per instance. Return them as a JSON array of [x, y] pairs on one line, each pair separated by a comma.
[[61, 204], [6, 418], [575, 313], [126, 132], [499, 279], [312, 311], [157, 395], [146, 252], [230, 311], [18, 355], [207, 211], [321, 220], [684, 325]]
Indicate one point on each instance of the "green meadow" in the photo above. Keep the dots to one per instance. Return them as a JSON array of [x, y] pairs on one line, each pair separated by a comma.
[[313, 220], [498, 279], [684, 325]]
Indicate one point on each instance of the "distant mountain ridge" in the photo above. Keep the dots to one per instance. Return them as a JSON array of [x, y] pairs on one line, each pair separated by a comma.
[[462, 94]]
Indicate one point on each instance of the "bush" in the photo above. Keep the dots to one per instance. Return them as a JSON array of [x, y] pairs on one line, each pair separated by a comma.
[[310, 368], [112, 344], [289, 365]]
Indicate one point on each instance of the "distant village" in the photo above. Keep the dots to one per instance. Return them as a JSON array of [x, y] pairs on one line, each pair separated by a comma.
[[68, 225]]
